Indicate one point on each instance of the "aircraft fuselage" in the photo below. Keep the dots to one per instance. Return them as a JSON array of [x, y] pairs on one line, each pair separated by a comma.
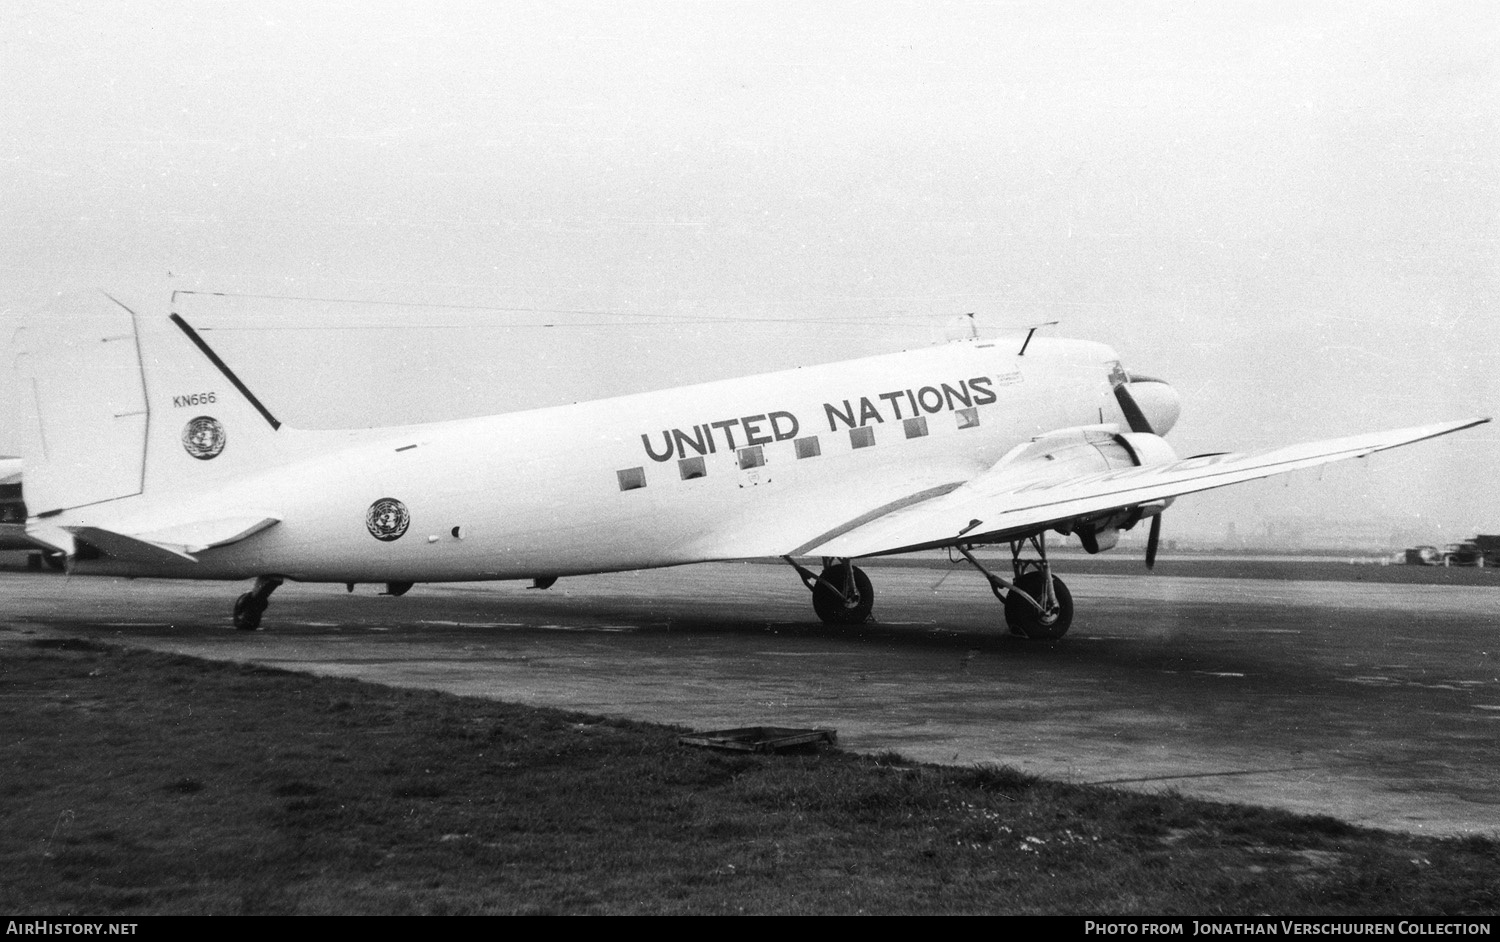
[[653, 479]]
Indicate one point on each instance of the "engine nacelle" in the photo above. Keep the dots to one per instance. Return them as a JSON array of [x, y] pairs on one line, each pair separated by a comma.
[[1149, 449], [1075, 452], [1100, 534], [1119, 450]]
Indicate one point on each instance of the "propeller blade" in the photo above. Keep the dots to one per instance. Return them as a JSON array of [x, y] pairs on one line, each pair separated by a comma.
[[1152, 539], [1133, 414]]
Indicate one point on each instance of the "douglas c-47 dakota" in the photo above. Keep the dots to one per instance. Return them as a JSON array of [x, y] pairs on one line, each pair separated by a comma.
[[150, 457]]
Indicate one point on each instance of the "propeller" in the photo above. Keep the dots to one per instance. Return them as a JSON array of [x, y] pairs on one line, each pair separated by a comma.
[[1138, 422], [1152, 540], [1133, 414]]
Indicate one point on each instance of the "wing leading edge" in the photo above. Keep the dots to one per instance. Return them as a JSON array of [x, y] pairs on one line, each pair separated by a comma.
[[1000, 504]]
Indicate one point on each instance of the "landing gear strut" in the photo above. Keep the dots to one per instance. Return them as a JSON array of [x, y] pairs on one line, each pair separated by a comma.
[[1037, 604], [250, 606], [842, 593]]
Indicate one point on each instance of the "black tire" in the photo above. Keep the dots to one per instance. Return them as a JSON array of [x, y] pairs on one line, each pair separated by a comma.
[[397, 589], [1027, 621], [830, 605], [247, 612]]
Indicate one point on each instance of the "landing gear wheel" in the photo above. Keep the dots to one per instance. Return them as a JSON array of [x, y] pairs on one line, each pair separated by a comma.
[[247, 612], [1030, 623], [837, 607], [249, 607]]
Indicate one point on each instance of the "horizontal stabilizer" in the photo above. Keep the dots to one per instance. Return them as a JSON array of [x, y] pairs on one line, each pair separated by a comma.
[[206, 534], [54, 538], [122, 546], [174, 544]]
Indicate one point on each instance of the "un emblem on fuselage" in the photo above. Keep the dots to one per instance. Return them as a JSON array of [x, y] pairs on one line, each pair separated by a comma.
[[387, 519], [204, 437]]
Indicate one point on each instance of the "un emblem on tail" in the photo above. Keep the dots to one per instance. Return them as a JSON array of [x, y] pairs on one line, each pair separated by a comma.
[[387, 519], [204, 437]]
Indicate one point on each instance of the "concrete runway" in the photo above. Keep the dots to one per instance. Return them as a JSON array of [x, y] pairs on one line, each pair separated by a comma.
[[1376, 703]]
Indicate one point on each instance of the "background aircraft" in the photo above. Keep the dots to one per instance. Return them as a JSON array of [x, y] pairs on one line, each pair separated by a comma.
[[150, 457], [12, 508]]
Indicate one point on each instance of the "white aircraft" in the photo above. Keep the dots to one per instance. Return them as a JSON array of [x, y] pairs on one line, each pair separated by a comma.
[[152, 458]]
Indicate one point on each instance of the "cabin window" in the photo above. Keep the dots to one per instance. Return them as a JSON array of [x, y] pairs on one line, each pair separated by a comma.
[[917, 427], [862, 437], [752, 457], [968, 418], [631, 478], [691, 468], [808, 447]]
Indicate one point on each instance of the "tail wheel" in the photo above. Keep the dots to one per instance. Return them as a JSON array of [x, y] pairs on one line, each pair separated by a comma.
[[848, 604], [1025, 620], [247, 612], [249, 607]]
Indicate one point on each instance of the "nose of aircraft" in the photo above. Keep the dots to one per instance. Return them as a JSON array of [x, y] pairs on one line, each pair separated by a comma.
[[1157, 401]]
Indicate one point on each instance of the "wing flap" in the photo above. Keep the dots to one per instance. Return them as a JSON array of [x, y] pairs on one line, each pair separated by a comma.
[[993, 503]]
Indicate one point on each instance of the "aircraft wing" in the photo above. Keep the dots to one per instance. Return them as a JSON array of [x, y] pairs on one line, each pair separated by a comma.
[[1009, 500]]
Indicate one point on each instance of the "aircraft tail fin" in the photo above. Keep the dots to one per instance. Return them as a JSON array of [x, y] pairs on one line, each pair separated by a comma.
[[128, 404]]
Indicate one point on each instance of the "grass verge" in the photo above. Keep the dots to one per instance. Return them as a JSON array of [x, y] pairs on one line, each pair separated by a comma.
[[137, 783]]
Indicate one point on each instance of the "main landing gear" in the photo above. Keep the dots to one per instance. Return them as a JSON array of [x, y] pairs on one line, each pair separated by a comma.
[[842, 594], [1037, 604], [249, 607]]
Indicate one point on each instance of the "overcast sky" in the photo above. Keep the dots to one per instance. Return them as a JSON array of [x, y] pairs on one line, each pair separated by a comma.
[[1290, 210]]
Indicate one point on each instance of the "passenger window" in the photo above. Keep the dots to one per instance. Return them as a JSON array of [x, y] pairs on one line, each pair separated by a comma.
[[631, 478], [691, 468], [808, 447], [752, 457], [862, 437], [968, 418], [917, 427]]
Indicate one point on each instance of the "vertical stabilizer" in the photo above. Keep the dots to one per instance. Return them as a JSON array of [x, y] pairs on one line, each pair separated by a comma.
[[206, 425], [136, 403]]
